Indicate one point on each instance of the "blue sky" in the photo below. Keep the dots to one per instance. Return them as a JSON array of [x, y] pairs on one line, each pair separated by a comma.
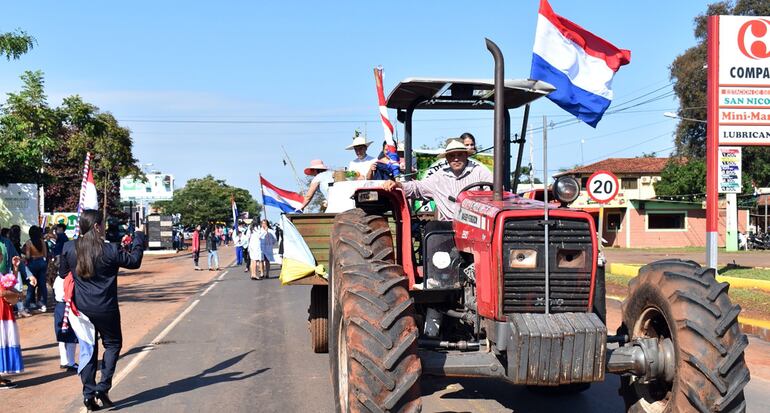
[[299, 74]]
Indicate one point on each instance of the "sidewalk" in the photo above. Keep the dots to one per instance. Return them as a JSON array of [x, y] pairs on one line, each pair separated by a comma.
[[148, 297]]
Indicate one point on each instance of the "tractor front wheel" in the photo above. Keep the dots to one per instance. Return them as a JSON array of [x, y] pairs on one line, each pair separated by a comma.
[[373, 335], [684, 307]]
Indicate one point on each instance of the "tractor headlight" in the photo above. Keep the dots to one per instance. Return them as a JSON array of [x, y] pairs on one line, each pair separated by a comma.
[[566, 189]]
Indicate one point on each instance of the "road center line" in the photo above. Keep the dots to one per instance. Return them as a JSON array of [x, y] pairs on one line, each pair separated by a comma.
[[222, 276]]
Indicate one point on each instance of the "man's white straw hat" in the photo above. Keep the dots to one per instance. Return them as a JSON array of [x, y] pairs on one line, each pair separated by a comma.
[[357, 141], [454, 145]]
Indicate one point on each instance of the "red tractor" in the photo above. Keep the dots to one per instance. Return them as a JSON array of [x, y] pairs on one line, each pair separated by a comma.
[[512, 288]]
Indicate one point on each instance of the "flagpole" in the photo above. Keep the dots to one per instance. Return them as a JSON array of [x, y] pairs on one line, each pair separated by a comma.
[[262, 193], [294, 170]]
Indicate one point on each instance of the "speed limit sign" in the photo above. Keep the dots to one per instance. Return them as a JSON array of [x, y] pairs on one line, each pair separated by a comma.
[[602, 186]]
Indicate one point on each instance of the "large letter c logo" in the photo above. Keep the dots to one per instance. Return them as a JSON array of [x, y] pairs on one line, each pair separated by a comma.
[[757, 46]]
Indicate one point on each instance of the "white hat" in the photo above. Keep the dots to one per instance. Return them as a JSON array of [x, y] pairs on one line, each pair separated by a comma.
[[359, 140], [454, 145]]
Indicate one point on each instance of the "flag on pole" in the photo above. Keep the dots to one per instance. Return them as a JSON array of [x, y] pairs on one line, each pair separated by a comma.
[[286, 201], [298, 261], [88, 199], [580, 64], [235, 213], [387, 127]]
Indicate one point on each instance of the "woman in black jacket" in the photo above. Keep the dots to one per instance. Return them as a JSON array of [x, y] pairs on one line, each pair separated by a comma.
[[94, 265]]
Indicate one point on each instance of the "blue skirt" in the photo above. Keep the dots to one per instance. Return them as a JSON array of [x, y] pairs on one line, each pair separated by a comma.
[[62, 337]]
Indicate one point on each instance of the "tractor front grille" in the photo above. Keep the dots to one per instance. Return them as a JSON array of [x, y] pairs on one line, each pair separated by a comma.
[[570, 262]]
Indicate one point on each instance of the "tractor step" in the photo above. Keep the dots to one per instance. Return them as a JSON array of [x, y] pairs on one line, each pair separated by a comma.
[[555, 349]]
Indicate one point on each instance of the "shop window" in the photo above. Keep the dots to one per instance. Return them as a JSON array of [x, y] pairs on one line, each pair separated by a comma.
[[676, 221], [629, 183], [614, 221]]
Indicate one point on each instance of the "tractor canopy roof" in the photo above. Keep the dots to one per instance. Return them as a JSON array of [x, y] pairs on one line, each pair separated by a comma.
[[425, 93]]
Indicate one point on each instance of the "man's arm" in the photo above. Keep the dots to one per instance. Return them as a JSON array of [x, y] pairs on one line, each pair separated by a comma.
[[412, 189], [310, 193]]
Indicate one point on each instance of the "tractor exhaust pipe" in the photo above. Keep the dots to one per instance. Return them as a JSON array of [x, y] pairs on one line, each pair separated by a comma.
[[500, 139]]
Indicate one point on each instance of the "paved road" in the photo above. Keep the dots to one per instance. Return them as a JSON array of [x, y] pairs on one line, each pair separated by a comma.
[[244, 347]]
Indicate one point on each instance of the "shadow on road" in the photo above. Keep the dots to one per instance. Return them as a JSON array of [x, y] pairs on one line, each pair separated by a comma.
[[175, 291], [190, 383]]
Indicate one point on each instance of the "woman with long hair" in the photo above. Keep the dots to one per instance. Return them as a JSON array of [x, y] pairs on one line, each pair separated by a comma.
[[94, 266], [36, 255]]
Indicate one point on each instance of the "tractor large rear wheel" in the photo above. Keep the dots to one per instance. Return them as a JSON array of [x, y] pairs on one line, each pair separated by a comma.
[[373, 336], [318, 318], [682, 302]]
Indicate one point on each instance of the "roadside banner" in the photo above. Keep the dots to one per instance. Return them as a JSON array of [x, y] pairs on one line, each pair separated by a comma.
[[298, 261], [730, 170]]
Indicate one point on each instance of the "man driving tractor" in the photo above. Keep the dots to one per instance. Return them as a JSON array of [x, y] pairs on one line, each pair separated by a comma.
[[446, 182]]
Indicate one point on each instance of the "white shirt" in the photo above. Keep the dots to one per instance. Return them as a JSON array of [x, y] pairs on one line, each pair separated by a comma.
[[324, 179], [362, 166], [58, 289]]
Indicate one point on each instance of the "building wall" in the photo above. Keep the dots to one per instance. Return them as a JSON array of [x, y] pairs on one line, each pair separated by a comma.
[[634, 229]]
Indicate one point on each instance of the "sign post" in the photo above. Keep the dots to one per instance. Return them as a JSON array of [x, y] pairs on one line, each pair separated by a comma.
[[602, 187], [738, 100]]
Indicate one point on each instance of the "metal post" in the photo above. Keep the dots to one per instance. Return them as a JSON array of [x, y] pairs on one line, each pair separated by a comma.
[[408, 143], [601, 226], [500, 139], [712, 144], [546, 256], [522, 140]]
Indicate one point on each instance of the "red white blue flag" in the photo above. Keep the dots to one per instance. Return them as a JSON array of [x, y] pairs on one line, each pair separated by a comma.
[[387, 127], [286, 201], [235, 213], [578, 63]]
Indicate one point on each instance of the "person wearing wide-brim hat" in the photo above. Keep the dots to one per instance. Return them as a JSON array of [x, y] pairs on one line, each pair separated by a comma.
[[322, 178], [363, 164], [446, 182]]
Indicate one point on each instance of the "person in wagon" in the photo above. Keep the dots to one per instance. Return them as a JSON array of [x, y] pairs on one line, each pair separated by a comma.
[[446, 182], [364, 164], [322, 178]]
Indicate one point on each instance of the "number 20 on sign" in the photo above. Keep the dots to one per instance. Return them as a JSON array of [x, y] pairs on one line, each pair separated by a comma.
[[602, 186]]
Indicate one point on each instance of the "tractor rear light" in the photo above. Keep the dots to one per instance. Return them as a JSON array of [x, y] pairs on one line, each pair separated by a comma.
[[522, 259], [368, 196]]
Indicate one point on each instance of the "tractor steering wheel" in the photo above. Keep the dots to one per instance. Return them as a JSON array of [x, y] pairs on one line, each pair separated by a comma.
[[469, 186]]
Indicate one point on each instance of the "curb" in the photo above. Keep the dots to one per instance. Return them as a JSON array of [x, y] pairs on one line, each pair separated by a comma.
[[631, 270], [759, 328]]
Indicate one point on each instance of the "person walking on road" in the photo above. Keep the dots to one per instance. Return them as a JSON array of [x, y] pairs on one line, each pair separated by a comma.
[[255, 251], [212, 239], [266, 244], [94, 265], [238, 243], [196, 246]]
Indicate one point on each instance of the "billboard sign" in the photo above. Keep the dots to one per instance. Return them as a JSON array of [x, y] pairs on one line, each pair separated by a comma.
[[743, 105], [158, 187], [729, 170], [19, 206]]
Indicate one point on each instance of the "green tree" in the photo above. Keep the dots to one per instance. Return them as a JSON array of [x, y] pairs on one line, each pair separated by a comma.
[[84, 128], [28, 127], [16, 43], [208, 199], [682, 177], [689, 76]]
